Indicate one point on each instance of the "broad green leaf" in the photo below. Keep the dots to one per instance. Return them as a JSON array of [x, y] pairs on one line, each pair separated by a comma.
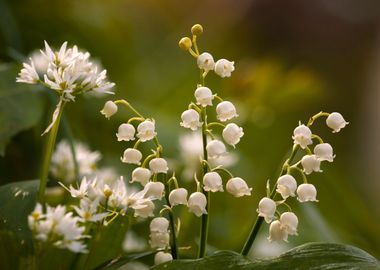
[[116, 263], [315, 256], [20, 105]]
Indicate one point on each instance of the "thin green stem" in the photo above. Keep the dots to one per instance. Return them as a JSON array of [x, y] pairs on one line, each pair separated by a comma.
[[173, 245], [126, 103]]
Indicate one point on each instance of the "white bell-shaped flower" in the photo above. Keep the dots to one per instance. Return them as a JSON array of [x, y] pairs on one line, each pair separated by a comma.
[[225, 110], [132, 156], [302, 136], [215, 149], [286, 186], [197, 204], [307, 193], [212, 182], [224, 67], [205, 61], [267, 209], [109, 109], [126, 132], [232, 134], [178, 196], [162, 257], [311, 163], [158, 165], [289, 223], [276, 232], [154, 190], [238, 187], [204, 96], [336, 122], [324, 151], [159, 224], [141, 175], [190, 119], [146, 130], [159, 239], [145, 210]]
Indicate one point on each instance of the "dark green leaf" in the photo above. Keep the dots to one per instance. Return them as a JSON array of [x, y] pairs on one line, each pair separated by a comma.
[[116, 263]]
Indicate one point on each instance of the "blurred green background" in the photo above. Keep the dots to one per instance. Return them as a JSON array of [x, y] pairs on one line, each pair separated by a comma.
[[293, 58]]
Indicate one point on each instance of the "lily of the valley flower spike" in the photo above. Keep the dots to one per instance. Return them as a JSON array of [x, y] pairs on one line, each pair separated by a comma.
[[141, 175], [302, 136], [224, 68], [158, 165], [146, 130], [289, 223], [311, 163], [109, 109], [206, 62], [132, 156], [324, 151], [215, 149], [212, 182]]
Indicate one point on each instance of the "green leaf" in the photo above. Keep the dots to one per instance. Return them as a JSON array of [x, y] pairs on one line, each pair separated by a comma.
[[116, 263], [20, 105], [313, 256]]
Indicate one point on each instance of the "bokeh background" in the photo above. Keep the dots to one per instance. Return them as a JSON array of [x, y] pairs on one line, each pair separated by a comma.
[[293, 58]]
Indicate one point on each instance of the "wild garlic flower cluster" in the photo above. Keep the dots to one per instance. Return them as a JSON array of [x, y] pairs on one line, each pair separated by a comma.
[[284, 224]]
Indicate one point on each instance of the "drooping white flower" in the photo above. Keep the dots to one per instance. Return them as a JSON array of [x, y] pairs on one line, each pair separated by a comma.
[[215, 148], [132, 156], [238, 187], [109, 109], [311, 163], [289, 223], [145, 209], [141, 175], [276, 232], [158, 165], [28, 74], [224, 67], [307, 193], [267, 209], [159, 239], [212, 182], [204, 96], [225, 111], [154, 190], [126, 132], [302, 136], [232, 134], [324, 151], [159, 224], [336, 122], [190, 119], [162, 257], [178, 196], [286, 186], [205, 61], [197, 204], [146, 130]]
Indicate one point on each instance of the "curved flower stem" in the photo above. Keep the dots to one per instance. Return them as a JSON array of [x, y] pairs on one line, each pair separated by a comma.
[[47, 156]]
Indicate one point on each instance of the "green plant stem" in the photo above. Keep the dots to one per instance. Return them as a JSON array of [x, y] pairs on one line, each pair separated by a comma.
[[47, 155], [173, 246]]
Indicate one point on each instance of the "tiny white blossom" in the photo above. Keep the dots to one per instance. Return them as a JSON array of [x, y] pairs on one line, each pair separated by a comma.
[[336, 122], [81, 192], [306, 193], [154, 190], [215, 149], [159, 239], [302, 136], [126, 132], [28, 74], [225, 110], [267, 209], [159, 224], [146, 130], [311, 163], [190, 119], [324, 151], [224, 67], [178, 196], [197, 204], [145, 209], [162, 257], [88, 210], [238, 187], [212, 182], [141, 175], [232, 134], [205, 61], [158, 165], [289, 223], [204, 96], [132, 156], [109, 109], [276, 232], [286, 186]]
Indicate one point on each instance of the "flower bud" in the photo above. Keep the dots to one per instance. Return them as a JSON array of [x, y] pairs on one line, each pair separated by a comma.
[[132, 156], [306, 193], [190, 119], [197, 29], [212, 182], [276, 233], [286, 186], [204, 96], [185, 43], [311, 163], [162, 257], [126, 132], [158, 165], [146, 211], [289, 223], [336, 122], [197, 204], [302, 136], [146, 130], [178, 196], [324, 151], [238, 187], [224, 68], [141, 175], [215, 149], [109, 109], [154, 190], [232, 134], [205, 61], [159, 239], [225, 110], [267, 208], [159, 224]]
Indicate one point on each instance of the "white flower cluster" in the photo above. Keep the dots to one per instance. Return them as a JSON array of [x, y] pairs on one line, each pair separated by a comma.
[[286, 185]]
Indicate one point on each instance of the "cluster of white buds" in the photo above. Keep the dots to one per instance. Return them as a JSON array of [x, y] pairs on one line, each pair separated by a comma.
[[159, 238]]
